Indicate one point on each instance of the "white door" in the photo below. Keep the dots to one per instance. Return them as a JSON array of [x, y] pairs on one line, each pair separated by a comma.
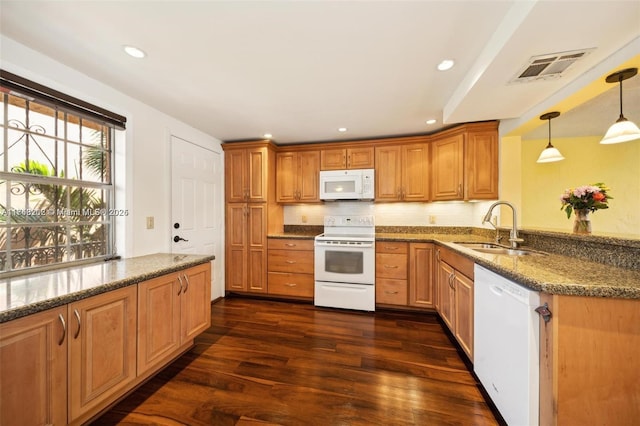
[[196, 199]]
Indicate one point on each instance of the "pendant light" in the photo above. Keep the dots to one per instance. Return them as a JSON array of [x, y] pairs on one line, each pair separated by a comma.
[[622, 130], [550, 153]]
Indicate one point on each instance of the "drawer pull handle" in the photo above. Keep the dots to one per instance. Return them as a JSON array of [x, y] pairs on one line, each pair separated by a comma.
[[64, 329], [391, 248], [391, 266], [291, 262], [291, 284], [391, 292], [77, 314], [290, 245]]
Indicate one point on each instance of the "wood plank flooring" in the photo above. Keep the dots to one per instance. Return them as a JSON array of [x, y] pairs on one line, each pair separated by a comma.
[[270, 362]]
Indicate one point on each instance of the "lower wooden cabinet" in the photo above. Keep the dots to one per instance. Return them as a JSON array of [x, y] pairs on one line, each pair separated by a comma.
[[171, 313], [102, 349], [421, 275], [290, 267], [65, 365], [454, 288], [392, 260], [33, 369]]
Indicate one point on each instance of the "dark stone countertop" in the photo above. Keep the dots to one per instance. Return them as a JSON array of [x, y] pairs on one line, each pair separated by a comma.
[[31, 293]]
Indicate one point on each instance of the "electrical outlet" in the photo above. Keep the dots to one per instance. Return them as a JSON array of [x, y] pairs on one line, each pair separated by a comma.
[[304, 218], [432, 219], [494, 220], [150, 223]]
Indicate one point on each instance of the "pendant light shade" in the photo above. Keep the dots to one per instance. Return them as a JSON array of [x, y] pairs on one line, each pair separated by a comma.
[[622, 130], [550, 153]]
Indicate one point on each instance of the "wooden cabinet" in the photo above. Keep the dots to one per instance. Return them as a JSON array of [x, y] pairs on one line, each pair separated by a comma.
[[33, 369], [454, 282], [249, 220], [102, 349], [391, 273], [246, 173], [291, 267], [298, 176], [246, 245], [402, 172], [464, 163], [65, 365], [589, 361], [447, 168], [421, 275], [172, 310], [347, 158]]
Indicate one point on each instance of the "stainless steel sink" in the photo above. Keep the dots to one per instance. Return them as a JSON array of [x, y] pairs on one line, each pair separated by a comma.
[[498, 249]]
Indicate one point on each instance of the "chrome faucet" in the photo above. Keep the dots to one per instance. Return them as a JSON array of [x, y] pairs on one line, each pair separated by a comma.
[[514, 240]]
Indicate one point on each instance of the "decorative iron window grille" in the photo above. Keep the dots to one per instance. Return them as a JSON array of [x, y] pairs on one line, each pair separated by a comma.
[[56, 183]]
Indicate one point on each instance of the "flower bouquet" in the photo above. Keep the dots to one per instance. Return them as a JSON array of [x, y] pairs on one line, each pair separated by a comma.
[[583, 200]]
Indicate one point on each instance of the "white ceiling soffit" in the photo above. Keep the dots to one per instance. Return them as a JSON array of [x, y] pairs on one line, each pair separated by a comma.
[[300, 70]]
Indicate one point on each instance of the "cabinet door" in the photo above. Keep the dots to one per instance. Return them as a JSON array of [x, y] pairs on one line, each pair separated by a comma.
[[333, 159], [158, 320], [235, 175], [360, 158], [445, 294], [309, 176], [481, 166], [102, 349], [257, 174], [286, 177], [388, 173], [415, 172], [195, 301], [33, 369], [463, 323], [421, 275], [257, 248], [447, 168], [236, 247]]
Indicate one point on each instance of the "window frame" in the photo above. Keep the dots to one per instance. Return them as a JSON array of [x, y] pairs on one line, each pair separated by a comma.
[[107, 215]]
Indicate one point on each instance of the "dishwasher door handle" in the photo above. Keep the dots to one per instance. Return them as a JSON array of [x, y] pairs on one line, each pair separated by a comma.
[[497, 290]]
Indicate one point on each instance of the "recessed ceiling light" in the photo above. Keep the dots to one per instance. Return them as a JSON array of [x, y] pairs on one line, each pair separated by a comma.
[[447, 64], [134, 51], [431, 121], [342, 129], [268, 135]]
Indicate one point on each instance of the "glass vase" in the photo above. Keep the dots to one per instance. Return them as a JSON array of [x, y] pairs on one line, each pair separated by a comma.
[[582, 222]]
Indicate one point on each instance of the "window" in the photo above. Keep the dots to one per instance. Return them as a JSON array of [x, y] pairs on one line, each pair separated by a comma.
[[56, 179]]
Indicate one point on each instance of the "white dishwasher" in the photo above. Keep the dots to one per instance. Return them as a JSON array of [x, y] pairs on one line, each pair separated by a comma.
[[506, 345]]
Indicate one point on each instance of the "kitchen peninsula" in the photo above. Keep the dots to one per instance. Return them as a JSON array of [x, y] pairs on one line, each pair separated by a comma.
[[74, 340]]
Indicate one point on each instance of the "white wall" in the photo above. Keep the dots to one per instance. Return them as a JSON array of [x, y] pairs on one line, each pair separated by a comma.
[[144, 164]]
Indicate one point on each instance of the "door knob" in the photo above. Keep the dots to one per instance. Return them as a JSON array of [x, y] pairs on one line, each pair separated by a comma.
[[177, 238]]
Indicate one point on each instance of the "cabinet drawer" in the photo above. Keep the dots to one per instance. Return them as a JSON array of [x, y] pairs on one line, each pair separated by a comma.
[[391, 266], [291, 261], [392, 247], [391, 292], [291, 244], [286, 284]]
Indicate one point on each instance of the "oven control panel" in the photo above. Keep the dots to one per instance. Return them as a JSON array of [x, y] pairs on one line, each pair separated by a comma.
[[346, 221]]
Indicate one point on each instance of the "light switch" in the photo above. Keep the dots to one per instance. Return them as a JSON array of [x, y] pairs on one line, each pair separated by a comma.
[[150, 223]]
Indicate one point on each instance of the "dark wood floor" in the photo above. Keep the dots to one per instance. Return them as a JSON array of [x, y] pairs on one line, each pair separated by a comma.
[[266, 362]]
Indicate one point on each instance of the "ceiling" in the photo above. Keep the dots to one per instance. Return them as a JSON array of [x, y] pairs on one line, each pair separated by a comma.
[[301, 69]]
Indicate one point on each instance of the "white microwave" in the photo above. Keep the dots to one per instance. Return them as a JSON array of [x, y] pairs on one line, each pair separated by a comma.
[[347, 184]]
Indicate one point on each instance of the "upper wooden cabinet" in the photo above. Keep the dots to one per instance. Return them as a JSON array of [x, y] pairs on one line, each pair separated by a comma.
[[246, 174], [298, 176], [347, 158], [402, 172], [464, 163]]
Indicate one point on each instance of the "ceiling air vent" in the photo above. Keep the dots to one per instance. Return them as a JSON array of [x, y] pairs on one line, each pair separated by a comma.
[[548, 66]]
